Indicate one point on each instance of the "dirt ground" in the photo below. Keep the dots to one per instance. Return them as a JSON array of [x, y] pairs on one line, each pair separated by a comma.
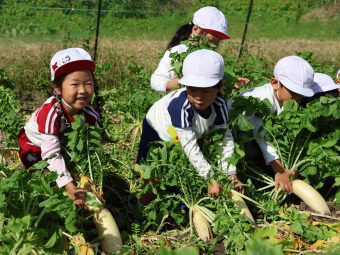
[[147, 52], [270, 50]]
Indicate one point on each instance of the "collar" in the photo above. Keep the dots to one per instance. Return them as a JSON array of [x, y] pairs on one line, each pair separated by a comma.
[[276, 106], [67, 115]]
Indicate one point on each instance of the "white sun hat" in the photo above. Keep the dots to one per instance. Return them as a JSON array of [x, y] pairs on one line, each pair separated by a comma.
[[323, 83], [202, 69], [212, 21], [296, 74], [70, 60]]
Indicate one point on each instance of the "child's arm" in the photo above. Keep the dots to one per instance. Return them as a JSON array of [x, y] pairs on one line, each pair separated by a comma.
[[190, 146], [282, 176], [163, 74], [268, 151], [77, 195], [228, 148], [50, 147]]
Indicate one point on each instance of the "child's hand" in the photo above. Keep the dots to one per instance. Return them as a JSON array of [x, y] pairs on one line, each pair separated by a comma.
[[77, 195], [241, 82], [214, 188], [282, 179], [238, 184], [172, 84], [282, 176]]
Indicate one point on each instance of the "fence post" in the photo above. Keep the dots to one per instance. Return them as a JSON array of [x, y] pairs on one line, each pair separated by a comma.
[[97, 29], [246, 28]]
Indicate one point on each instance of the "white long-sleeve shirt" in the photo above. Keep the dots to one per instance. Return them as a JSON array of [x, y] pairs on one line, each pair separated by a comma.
[[264, 92], [164, 72], [175, 119]]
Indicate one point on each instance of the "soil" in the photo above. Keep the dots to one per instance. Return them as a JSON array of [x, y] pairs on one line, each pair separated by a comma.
[[322, 13], [333, 217]]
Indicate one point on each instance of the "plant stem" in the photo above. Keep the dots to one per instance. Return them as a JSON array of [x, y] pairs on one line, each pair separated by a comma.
[[88, 153], [100, 181], [17, 245], [40, 217]]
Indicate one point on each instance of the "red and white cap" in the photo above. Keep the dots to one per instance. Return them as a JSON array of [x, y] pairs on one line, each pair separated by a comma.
[[296, 74], [212, 21], [70, 60], [202, 69], [323, 83]]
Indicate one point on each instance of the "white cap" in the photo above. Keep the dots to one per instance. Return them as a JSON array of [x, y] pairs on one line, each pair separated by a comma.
[[202, 69], [70, 60], [212, 21], [296, 74], [323, 83]]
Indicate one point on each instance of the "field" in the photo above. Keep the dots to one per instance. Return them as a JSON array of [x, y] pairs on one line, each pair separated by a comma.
[[36, 217]]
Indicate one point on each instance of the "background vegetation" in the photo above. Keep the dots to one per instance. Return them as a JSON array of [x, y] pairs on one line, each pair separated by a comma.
[[133, 36], [156, 19]]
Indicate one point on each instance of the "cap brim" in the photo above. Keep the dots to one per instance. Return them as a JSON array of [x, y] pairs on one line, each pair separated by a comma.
[[75, 66], [330, 87], [307, 92], [198, 82], [218, 34]]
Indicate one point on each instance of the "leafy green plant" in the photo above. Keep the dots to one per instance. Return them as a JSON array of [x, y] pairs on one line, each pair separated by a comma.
[[34, 213], [85, 150], [302, 140], [11, 120], [193, 44]]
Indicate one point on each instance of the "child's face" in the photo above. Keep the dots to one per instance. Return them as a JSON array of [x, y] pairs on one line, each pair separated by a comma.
[[201, 98], [283, 94], [197, 31], [77, 90]]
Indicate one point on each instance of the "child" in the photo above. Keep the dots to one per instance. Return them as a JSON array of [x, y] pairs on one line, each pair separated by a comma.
[[293, 78], [192, 112], [73, 85], [337, 81], [208, 22]]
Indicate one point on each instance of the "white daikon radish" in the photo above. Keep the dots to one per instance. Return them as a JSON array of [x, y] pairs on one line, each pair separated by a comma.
[[110, 239], [201, 224], [310, 196], [242, 205]]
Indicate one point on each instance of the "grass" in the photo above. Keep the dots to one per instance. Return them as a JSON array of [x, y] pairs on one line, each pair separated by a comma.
[[271, 21]]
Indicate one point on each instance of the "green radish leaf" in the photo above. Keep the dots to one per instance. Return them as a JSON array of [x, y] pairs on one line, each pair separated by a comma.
[[258, 246], [297, 228], [53, 240], [147, 172], [265, 232]]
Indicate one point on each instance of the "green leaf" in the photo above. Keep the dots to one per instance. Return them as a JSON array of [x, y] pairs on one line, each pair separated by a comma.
[[43, 164], [181, 251], [259, 246], [147, 172], [53, 240], [243, 123], [80, 144], [297, 228], [265, 232]]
